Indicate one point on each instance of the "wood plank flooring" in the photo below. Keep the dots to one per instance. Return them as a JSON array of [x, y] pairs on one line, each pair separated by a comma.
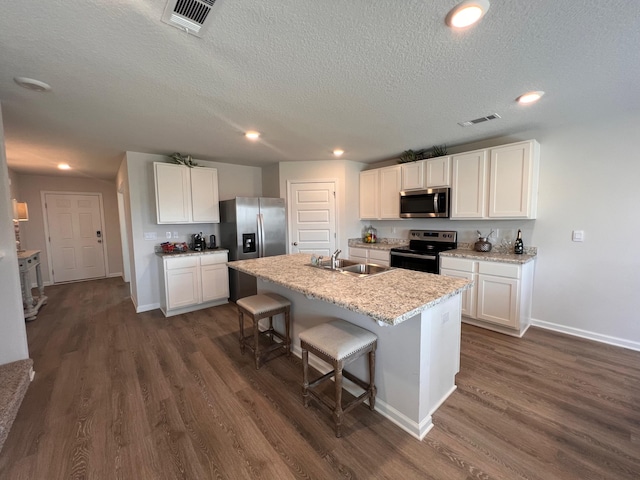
[[119, 395]]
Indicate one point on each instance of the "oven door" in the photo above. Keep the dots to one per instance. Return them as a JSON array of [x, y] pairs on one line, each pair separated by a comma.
[[414, 261]]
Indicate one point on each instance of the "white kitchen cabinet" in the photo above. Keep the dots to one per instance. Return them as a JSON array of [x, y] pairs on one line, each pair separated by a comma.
[[186, 195], [501, 297], [469, 185], [513, 180], [380, 193], [496, 183], [369, 194], [413, 175], [437, 172], [370, 255], [193, 282]]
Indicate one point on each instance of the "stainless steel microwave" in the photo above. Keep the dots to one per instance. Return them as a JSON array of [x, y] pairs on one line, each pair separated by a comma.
[[429, 203]]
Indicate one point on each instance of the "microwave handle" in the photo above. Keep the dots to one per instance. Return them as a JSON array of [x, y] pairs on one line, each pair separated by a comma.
[[435, 202]]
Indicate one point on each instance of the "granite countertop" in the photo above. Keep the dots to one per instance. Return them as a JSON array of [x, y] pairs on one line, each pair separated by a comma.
[[390, 298], [493, 256], [381, 244], [192, 252]]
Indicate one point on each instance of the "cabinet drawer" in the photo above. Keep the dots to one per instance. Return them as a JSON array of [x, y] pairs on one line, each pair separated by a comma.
[[357, 252], [212, 259], [184, 262], [381, 255], [462, 264], [500, 269]]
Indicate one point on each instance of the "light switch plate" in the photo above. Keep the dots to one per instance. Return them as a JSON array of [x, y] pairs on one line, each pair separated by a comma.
[[577, 236], [150, 236]]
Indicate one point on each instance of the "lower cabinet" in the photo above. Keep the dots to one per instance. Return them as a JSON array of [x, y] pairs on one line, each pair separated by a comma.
[[501, 296], [193, 282], [370, 255]]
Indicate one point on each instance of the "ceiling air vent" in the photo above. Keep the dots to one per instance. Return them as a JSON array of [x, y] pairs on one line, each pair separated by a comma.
[[493, 116], [188, 15]]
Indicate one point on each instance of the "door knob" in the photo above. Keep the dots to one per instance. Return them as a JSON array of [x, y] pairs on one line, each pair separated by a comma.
[[295, 244]]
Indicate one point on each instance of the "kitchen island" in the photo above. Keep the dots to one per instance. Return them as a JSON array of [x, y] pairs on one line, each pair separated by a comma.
[[415, 315]]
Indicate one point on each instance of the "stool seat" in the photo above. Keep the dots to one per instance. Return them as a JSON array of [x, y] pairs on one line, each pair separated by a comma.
[[338, 343], [260, 304], [338, 339], [258, 307]]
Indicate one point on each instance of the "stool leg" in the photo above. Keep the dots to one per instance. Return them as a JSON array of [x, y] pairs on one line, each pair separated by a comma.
[[271, 328], [338, 413], [241, 322], [372, 376], [287, 327], [305, 377], [256, 339]]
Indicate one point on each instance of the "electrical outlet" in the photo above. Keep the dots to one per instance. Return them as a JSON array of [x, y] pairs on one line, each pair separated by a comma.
[[150, 236], [175, 234], [577, 236], [167, 234]]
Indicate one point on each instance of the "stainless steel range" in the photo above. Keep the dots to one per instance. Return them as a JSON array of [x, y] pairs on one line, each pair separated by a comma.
[[424, 249]]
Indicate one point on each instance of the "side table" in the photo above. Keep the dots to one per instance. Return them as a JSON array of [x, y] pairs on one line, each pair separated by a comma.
[[27, 260]]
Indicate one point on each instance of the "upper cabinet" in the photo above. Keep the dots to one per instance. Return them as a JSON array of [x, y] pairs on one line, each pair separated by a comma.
[[500, 182], [186, 195], [435, 172], [380, 193]]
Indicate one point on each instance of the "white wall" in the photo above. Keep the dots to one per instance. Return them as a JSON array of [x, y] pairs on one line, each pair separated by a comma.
[[13, 334], [33, 233], [347, 175], [589, 177], [136, 178]]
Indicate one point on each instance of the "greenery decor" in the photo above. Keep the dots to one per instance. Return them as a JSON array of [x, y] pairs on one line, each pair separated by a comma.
[[408, 156], [183, 160], [438, 151]]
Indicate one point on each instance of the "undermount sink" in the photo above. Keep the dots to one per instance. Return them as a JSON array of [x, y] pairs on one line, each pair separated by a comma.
[[353, 268], [365, 269]]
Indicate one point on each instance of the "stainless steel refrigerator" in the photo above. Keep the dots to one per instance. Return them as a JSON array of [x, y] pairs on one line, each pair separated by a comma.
[[251, 227]]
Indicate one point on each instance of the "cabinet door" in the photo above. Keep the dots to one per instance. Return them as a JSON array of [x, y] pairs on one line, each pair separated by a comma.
[[469, 185], [369, 194], [380, 257], [511, 181], [183, 287], [390, 184], [215, 282], [412, 175], [498, 300], [173, 193], [204, 195], [469, 295], [438, 172]]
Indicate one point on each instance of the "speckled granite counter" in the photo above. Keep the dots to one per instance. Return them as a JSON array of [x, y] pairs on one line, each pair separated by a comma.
[[192, 252], [381, 244], [390, 298], [490, 256], [14, 378]]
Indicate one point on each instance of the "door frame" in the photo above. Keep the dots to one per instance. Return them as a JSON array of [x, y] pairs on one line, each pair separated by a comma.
[[47, 242], [290, 183]]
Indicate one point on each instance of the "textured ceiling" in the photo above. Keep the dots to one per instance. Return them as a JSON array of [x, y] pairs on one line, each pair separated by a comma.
[[374, 78]]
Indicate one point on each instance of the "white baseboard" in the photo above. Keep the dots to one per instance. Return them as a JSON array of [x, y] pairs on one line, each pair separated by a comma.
[[146, 308], [577, 332], [116, 274]]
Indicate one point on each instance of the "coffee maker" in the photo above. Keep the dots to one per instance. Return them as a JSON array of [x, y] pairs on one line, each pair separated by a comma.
[[198, 244]]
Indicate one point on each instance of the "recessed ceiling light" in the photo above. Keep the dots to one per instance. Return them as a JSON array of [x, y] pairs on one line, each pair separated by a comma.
[[467, 13], [64, 166], [338, 151], [251, 135], [530, 97], [31, 84]]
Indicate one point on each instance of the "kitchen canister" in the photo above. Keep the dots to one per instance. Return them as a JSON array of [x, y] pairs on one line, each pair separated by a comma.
[[483, 244]]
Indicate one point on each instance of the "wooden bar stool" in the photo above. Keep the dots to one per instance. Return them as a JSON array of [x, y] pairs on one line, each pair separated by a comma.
[[338, 343], [258, 307]]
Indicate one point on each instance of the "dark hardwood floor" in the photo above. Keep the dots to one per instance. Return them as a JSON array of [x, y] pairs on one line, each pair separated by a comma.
[[125, 396]]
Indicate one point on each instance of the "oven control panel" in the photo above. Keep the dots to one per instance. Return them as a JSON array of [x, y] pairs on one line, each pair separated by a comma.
[[433, 235]]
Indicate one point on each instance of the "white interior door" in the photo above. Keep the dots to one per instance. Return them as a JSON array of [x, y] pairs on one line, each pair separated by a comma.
[[75, 236], [312, 217]]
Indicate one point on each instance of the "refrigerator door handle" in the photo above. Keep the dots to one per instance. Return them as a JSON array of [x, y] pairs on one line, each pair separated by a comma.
[[260, 235]]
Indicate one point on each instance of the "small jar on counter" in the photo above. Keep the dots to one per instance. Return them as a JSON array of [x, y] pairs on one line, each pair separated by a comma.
[[369, 234]]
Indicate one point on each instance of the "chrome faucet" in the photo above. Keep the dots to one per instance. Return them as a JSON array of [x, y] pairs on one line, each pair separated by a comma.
[[334, 259]]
